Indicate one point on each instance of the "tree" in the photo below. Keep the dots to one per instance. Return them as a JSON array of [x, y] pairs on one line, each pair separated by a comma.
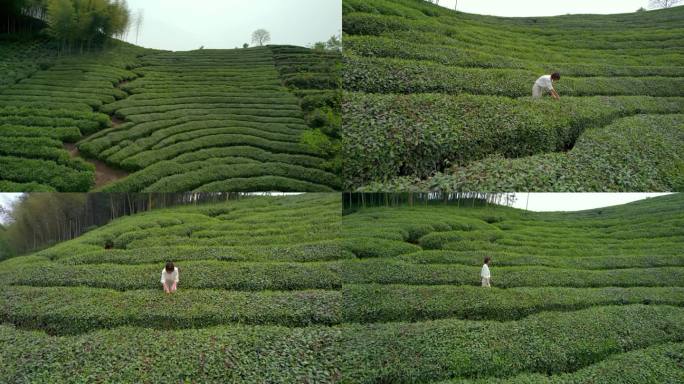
[[86, 21], [245, 45], [334, 43], [642, 9], [655, 4], [139, 18], [261, 37], [61, 21]]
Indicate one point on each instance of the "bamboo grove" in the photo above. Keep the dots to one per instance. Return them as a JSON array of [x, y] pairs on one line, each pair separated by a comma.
[[78, 25]]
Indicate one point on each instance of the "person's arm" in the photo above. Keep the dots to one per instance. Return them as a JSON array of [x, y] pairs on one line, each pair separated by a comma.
[[555, 94], [177, 273], [163, 280]]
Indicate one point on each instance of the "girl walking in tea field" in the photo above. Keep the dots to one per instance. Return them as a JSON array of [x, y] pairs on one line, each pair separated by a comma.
[[169, 277], [484, 273]]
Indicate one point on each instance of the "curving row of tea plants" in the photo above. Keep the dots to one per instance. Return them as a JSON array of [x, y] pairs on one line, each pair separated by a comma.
[[282, 289], [437, 99], [212, 120], [19, 59], [52, 105], [258, 293], [209, 120], [575, 298]]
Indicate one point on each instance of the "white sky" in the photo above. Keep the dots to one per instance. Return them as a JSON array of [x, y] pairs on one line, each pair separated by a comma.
[[180, 25], [519, 8], [6, 200], [541, 202]]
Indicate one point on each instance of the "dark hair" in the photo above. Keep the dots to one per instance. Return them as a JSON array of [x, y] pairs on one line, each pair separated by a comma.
[[487, 259], [169, 267], [555, 76], [109, 244]]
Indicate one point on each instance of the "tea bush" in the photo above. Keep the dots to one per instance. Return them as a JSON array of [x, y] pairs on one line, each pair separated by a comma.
[[430, 132], [56, 104], [572, 293], [419, 83], [219, 103]]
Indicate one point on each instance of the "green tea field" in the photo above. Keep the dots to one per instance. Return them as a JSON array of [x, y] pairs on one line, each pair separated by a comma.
[[584, 297], [439, 99], [258, 294], [133, 119]]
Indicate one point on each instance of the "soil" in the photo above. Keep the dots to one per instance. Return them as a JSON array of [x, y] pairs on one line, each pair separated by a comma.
[[104, 174]]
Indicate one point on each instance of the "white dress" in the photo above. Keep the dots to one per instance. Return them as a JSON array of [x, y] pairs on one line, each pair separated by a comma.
[[485, 275], [169, 278]]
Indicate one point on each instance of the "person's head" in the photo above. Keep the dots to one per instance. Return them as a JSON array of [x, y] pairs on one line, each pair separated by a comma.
[[487, 259], [555, 76], [169, 267], [109, 244]]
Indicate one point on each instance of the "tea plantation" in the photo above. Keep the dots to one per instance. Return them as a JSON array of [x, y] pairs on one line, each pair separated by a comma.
[[55, 104], [206, 120], [259, 290], [211, 120], [582, 297], [438, 99]]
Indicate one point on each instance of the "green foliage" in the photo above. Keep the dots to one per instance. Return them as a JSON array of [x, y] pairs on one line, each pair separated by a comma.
[[232, 126], [79, 22], [387, 303], [230, 353], [547, 343], [572, 292], [87, 309], [53, 106], [657, 364], [435, 57], [430, 132], [641, 153]]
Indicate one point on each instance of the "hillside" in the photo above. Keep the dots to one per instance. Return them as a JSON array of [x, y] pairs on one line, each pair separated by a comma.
[[574, 294], [280, 289], [442, 99], [258, 290], [131, 119]]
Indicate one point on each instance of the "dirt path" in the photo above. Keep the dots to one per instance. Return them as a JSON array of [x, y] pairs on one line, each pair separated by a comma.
[[104, 174], [116, 122]]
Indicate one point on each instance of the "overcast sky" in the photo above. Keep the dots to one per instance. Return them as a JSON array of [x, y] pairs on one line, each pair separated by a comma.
[[6, 200], [576, 201], [543, 7], [180, 25]]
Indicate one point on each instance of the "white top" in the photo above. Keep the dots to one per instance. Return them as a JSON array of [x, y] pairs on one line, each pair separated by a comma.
[[169, 277], [485, 272], [545, 82]]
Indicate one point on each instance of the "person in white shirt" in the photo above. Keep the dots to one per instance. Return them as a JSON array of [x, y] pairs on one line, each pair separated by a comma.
[[484, 274], [545, 83], [169, 277]]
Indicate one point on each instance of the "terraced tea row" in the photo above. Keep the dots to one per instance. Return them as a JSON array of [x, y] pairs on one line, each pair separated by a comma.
[[315, 76], [440, 131], [55, 106], [209, 119], [20, 59], [420, 314], [446, 349], [419, 111], [255, 261]]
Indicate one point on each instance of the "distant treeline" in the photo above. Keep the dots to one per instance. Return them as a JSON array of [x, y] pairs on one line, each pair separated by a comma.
[[357, 200], [38, 220], [75, 24]]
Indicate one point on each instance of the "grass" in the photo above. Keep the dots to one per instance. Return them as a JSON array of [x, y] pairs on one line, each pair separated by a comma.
[[440, 100]]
